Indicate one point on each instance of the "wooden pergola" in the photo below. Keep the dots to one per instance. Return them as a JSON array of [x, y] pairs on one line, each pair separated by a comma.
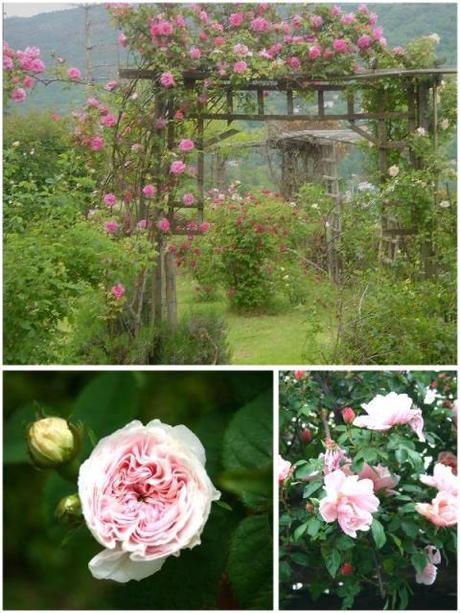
[[421, 111]]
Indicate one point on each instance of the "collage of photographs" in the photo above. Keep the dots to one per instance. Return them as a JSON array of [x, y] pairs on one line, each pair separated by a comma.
[[229, 280]]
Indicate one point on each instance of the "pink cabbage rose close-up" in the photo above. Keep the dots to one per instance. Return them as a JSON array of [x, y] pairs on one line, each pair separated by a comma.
[[145, 496], [350, 501], [442, 511], [443, 479], [385, 412]]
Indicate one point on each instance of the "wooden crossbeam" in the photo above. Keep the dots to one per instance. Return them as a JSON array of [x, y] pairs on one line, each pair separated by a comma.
[[292, 117], [220, 137]]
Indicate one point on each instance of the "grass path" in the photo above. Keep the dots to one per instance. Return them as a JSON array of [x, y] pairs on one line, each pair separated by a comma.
[[284, 338]]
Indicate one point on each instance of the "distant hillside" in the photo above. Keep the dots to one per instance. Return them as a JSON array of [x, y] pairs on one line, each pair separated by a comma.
[[63, 32]]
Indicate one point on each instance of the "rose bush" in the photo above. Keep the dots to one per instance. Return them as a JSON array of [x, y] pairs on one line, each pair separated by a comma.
[[368, 507]]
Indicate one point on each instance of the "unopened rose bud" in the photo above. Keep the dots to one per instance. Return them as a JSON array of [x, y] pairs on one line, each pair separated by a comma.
[[306, 436], [346, 569], [348, 415], [52, 442], [309, 507], [68, 511], [299, 374]]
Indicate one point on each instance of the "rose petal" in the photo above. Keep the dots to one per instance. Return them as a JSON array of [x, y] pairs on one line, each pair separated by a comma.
[[117, 566]]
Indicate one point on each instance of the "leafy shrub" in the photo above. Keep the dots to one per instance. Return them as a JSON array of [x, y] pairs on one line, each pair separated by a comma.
[[323, 567], [198, 339]]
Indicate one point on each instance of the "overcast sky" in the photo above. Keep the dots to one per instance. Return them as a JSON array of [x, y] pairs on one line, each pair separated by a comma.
[[27, 9]]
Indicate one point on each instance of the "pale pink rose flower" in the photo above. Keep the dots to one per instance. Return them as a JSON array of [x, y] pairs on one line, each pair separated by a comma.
[[74, 74], [442, 511], [443, 479], [384, 412], [186, 144], [350, 501], [145, 496], [18, 95], [380, 476], [167, 80], [177, 167], [428, 575], [284, 469], [333, 457]]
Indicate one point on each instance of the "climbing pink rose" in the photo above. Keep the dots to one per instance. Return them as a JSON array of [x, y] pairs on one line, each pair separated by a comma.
[[240, 67], [122, 40], [236, 19], [316, 21], [314, 52], [164, 225], [111, 227], [111, 85], [443, 479], [259, 24], [380, 476], [284, 469], [364, 41], [334, 457], [142, 224], [336, 11], [29, 82], [118, 291], [167, 80], [204, 227], [7, 63], [149, 190], [145, 496], [18, 94], [96, 143], [74, 74], [442, 511], [109, 199], [340, 45], [195, 53], [188, 199], [177, 167], [294, 62], [108, 120], [348, 19], [350, 501], [186, 144], [299, 374], [384, 412]]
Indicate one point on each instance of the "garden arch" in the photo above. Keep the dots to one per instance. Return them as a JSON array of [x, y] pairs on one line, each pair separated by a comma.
[[420, 111]]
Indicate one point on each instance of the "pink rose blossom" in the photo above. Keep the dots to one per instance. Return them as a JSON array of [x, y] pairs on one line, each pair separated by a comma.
[[316, 21], [164, 225], [284, 469], [96, 143], [188, 199], [293, 62], [380, 476], [259, 24], [348, 415], [384, 412], [29, 82], [240, 49], [340, 45], [448, 459], [398, 51], [443, 479], [145, 496], [219, 41], [350, 501], [179, 115], [186, 144], [93, 102], [149, 190], [74, 74], [160, 123], [442, 511], [299, 374], [108, 120], [178, 167], [362, 8], [111, 227], [18, 94], [348, 19], [314, 52], [364, 41], [111, 85], [118, 291], [336, 11], [377, 33], [167, 80], [240, 67], [122, 40], [236, 19], [7, 63], [110, 199], [428, 574], [195, 53], [142, 224], [204, 227], [334, 457]]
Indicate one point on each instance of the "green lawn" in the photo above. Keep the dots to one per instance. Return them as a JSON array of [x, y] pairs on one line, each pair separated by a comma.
[[295, 335]]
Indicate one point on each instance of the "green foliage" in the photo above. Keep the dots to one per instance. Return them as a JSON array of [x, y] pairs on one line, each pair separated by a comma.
[[380, 565]]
